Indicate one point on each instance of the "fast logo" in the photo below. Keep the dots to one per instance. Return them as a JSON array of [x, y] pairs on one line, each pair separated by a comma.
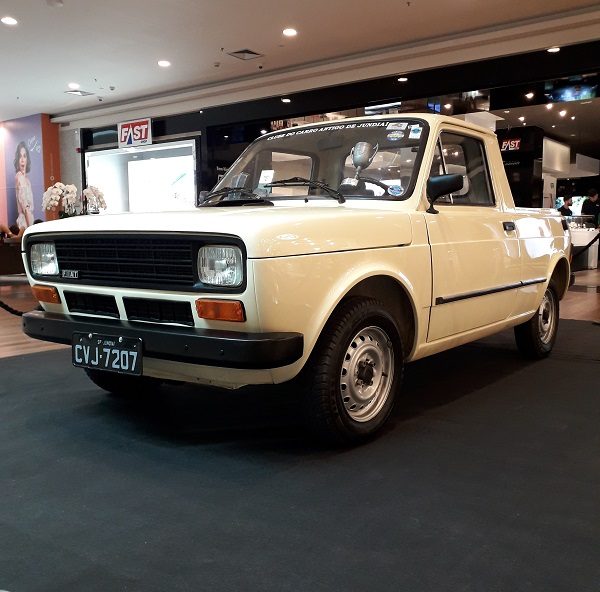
[[135, 133]]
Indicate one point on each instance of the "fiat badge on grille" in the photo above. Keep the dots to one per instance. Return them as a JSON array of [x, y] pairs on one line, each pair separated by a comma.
[[70, 274]]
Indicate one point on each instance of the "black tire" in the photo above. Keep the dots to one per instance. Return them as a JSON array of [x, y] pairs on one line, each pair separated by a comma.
[[535, 338], [123, 385], [354, 374]]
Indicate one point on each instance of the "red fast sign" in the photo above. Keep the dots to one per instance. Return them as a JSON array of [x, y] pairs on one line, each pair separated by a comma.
[[135, 133]]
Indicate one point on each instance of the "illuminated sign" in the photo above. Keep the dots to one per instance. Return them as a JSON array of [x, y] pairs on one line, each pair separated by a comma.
[[135, 133], [511, 145]]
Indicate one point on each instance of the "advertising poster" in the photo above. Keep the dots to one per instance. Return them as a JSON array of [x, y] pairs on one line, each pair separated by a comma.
[[23, 165]]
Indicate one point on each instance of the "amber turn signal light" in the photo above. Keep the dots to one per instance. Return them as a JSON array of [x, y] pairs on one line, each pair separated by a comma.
[[46, 294], [221, 310]]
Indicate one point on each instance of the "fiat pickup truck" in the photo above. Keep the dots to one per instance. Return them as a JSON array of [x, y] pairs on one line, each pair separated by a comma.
[[327, 257]]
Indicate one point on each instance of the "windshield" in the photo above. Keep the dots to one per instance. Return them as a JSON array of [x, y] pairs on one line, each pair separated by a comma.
[[361, 159]]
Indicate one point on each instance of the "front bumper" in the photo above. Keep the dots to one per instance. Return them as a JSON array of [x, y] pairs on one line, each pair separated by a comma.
[[207, 347]]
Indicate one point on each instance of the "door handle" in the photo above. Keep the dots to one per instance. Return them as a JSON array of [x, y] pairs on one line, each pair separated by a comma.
[[509, 226]]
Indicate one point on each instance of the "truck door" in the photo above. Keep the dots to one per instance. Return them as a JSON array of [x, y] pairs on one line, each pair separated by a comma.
[[474, 247]]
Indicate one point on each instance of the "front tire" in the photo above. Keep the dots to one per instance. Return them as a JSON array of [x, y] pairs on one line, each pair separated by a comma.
[[354, 374], [535, 338], [123, 385]]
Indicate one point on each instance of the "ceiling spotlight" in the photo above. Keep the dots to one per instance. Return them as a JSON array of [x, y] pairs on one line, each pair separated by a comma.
[[447, 106], [226, 137], [403, 79], [573, 134], [74, 85], [290, 32], [164, 63], [572, 116], [286, 100], [263, 132], [549, 106], [506, 111], [9, 20], [562, 113], [522, 118], [553, 49], [553, 126], [200, 111], [524, 123], [529, 95]]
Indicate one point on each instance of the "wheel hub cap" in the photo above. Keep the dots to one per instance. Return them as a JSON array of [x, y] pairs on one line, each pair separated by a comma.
[[546, 317], [367, 373]]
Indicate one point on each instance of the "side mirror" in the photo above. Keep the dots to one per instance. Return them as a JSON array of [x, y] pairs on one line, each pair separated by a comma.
[[442, 185]]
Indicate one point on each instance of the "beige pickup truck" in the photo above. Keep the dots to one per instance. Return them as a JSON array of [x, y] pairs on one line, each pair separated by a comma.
[[328, 256]]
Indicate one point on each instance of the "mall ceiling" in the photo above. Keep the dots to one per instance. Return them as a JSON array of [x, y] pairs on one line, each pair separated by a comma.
[[111, 47]]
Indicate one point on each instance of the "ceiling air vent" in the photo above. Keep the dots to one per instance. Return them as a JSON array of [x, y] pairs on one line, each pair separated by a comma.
[[245, 54]]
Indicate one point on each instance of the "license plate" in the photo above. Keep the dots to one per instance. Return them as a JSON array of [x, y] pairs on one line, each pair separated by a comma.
[[107, 352]]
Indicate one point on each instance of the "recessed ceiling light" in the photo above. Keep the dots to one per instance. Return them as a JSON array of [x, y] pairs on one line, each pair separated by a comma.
[[553, 49], [562, 113], [549, 106], [74, 85], [553, 126], [164, 63], [290, 32], [9, 20], [573, 134], [226, 137], [403, 79], [524, 123], [200, 111], [506, 111], [572, 116], [529, 95], [286, 100], [522, 118], [263, 132], [447, 106]]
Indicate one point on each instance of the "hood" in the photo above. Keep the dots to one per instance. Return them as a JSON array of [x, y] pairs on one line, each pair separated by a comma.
[[266, 231]]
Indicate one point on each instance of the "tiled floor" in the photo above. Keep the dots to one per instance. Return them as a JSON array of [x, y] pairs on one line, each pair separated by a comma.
[[581, 303]]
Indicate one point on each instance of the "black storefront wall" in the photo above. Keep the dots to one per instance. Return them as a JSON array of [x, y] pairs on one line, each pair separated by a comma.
[[242, 122], [522, 151]]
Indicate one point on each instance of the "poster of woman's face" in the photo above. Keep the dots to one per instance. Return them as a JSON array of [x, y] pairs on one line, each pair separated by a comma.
[[23, 170]]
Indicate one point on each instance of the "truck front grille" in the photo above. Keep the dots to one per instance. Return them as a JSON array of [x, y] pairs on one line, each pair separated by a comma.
[[161, 262]]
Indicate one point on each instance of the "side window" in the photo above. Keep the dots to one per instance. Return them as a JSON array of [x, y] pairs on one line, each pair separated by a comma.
[[465, 156]]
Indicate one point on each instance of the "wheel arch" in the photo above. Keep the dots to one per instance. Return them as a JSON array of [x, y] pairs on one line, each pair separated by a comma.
[[397, 301], [561, 275]]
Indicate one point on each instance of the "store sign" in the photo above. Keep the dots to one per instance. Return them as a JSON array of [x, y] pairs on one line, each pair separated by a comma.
[[511, 145], [135, 133]]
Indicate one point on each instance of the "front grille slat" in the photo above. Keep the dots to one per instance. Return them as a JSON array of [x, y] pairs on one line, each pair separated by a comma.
[[97, 304], [159, 311]]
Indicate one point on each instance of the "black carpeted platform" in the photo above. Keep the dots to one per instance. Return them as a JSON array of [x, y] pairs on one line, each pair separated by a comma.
[[487, 479]]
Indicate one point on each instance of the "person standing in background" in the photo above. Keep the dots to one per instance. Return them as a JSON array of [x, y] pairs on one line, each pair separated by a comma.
[[591, 206], [23, 189], [565, 209]]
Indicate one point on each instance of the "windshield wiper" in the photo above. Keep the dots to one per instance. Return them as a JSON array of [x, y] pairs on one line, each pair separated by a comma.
[[302, 182], [241, 197]]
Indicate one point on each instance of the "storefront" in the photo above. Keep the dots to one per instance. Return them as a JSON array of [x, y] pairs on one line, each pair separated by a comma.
[[203, 144]]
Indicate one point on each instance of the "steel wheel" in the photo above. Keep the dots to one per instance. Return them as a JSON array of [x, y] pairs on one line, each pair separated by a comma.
[[367, 373], [547, 317]]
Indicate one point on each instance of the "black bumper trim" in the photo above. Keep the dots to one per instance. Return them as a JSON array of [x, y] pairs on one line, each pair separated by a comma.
[[207, 347]]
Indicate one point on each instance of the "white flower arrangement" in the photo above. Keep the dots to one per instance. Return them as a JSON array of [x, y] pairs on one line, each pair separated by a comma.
[[65, 199], [61, 197], [94, 198]]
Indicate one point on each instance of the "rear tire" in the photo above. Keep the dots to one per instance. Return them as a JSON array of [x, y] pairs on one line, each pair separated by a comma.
[[354, 374], [535, 338], [123, 385]]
